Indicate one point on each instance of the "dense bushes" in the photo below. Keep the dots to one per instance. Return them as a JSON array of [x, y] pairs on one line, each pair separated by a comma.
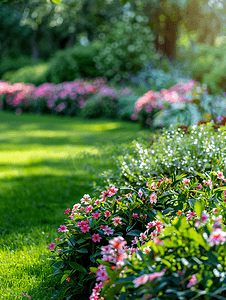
[[76, 62]]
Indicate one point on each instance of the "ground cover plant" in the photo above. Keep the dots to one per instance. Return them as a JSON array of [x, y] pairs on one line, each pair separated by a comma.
[[45, 162]]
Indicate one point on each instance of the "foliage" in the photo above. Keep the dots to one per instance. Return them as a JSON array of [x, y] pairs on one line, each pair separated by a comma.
[[127, 46], [94, 221], [73, 63], [37, 74], [99, 107], [174, 151], [184, 262], [13, 64]]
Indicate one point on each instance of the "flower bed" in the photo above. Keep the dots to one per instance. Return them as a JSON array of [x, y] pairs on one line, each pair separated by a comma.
[[159, 236], [186, 103], [67, 98], [167, 230]]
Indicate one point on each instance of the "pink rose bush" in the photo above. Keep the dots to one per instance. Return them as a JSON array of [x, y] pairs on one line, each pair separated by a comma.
[[145, 242]]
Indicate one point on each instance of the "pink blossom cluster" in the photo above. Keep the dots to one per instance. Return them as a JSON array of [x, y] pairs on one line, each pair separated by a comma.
[[77, 91], [178, 93], [17, 93], [147, 277], [96, 292]]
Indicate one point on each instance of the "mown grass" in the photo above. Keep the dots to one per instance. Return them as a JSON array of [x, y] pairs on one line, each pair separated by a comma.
[[46, 165]]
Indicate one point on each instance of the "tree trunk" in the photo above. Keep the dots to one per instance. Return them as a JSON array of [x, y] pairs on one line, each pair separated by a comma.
[[170, 38]]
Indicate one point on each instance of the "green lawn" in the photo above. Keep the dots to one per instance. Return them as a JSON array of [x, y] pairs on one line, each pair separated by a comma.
[[46, 165]]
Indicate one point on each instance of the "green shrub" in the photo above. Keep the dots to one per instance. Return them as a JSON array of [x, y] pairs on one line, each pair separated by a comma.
[[37, 74], [125, 106], [99, 106], [72, 63], [13, 64]]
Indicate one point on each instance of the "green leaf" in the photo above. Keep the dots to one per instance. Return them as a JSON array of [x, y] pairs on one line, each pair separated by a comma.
[[127, 279], [134, 232], [65, 276], [180, 223], [82, 250], [77, 266], [199, 207]]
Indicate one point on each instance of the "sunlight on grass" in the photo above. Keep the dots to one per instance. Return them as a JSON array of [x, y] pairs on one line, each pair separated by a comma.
[[46, 165]]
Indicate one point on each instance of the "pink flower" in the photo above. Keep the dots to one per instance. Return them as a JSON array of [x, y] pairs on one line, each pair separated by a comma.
[[199, 187], [112, 190], [85, 228], [146, 249], [192, 281], [106, 249], [156, 275], [153, 186], [51, 246], [97, 202], [96, 215], [140, 280], [215, 211], [190, 215], [107, 213], [135, 215], [204, 217], [117, 242], [208, 182], [108, 230], [88, 208], [96, 237], [216, 237], [116, 221], [134, 117], [186, 181], [153, 198], [142, 236], [101, 273], [62, 228], [140, 193], [157, 241], [220, 175], [67, 211]]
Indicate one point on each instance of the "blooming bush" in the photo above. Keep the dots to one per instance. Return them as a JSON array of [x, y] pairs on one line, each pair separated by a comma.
[[185, 261], [67, 98], [139, 216], [168, 103], [174, 151]]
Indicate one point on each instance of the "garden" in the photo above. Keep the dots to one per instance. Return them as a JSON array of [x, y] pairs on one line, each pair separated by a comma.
[[113, 150]]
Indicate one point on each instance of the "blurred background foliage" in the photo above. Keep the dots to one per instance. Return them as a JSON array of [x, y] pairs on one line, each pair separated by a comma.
[[41, 41]]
